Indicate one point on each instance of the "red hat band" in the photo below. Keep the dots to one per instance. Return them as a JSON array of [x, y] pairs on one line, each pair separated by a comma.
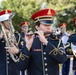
[[74, 20], [45, 14], [62, 25], [24, 23], [5, 12], [5, 15]]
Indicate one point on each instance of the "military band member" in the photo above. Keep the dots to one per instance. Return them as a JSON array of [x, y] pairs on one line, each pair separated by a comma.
[[74, 21], [64, 33], [64, 37], [24, 27], [7, 65], [41, 55], [72, 40]]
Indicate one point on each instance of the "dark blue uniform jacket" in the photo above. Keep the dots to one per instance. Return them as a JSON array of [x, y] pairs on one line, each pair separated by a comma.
[[41, 59], [12, 67], [72, 39]]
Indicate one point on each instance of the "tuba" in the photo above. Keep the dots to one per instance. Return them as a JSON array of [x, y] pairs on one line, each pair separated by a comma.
[[11, 37]]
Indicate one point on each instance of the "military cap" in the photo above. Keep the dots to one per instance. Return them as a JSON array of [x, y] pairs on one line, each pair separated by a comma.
[[45, 16], [24, 23], [62, 25], [74, 20], [5, 14]]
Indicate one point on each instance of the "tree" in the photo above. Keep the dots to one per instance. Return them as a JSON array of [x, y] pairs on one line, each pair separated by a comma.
[[65, 10], [23, 10]]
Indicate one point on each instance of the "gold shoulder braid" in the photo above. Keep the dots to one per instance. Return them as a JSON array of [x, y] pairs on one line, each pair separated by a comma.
[[57, 50], [67, 45]]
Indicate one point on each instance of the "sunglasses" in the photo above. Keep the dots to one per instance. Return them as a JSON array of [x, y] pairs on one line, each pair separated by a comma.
[[24, 26]]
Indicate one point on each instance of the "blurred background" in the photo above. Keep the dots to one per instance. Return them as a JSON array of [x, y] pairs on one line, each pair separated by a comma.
[[65, 11]]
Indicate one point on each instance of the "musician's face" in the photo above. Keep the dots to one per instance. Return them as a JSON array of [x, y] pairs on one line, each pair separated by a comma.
[[24, 28], [63, 29], [45, 27], [6, 24]]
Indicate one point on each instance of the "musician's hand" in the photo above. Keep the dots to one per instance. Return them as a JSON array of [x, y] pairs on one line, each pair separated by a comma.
[[13, 49], [29, 40], [42, 37]]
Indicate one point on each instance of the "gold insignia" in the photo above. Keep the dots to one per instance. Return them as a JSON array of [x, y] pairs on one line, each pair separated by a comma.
[[70, 51], [6, 12], [49, 12]]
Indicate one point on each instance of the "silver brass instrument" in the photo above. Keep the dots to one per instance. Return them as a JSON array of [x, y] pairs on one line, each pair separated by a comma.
[[10, 39]]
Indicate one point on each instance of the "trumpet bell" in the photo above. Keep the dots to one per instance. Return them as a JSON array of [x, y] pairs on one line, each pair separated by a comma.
[[73, 47]]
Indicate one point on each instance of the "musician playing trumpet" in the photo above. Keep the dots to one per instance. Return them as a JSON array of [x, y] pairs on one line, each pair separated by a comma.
[[7, 64]]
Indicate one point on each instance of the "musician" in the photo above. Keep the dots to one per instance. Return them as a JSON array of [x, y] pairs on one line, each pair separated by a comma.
[[41, 55], [64, 37], [72, 40], [24, 26], [7, 65]]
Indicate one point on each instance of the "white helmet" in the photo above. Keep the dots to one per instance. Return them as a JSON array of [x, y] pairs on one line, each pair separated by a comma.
[[6, 14], [4, 17]]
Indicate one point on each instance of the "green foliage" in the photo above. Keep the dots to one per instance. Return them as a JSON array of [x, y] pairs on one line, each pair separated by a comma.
[[23, 10], [65, 11]]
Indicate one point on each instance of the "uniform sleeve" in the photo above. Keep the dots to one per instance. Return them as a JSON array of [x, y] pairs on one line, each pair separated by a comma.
[[58, 53], [68, 49], [24, 58], [68, 45]]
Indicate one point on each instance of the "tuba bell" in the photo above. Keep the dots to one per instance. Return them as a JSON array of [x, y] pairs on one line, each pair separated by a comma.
[[10, 37]]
